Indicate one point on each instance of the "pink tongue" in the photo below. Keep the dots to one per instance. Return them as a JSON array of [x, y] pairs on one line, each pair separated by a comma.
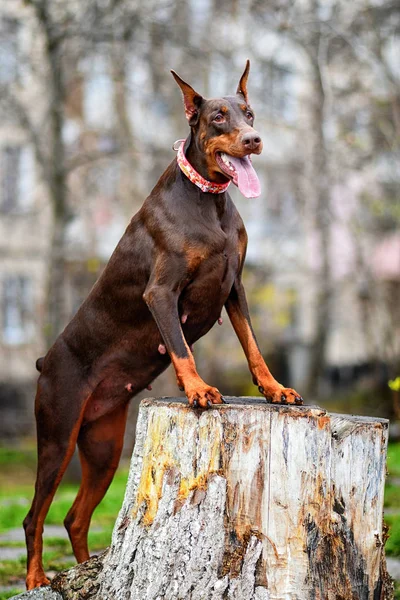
[[248, 182]]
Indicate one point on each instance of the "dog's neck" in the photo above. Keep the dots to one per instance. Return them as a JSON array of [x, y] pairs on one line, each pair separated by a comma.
[[196, 172]]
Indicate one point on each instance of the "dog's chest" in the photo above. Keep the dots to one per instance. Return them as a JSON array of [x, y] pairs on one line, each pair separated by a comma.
[[211, 280]]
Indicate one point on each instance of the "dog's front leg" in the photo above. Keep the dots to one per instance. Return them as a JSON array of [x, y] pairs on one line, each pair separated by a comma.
[[163, 304], [238, 312]]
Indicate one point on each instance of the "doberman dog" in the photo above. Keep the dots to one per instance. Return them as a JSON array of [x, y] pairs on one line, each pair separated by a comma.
[[177, 265]]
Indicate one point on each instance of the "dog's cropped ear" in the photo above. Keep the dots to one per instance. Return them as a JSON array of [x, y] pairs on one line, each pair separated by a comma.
[[191, 100], [242, 87]]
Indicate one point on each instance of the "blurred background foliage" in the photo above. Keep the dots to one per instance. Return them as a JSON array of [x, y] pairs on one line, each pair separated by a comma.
[[88, 115]]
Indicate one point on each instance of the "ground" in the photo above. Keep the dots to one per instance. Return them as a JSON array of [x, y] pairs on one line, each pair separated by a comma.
[[17, 469]]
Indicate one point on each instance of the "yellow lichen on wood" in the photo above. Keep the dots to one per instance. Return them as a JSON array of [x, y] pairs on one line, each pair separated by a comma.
[[208, 436], [188, 485], [160, 456], [156, 461]]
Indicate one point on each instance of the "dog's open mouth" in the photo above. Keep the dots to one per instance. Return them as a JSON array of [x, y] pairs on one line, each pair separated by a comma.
[[241, 172]]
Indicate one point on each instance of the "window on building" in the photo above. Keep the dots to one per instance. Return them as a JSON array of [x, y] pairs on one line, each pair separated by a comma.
[[18, 322], [16, 178], [279, 92], [9, 31], [98, 94], [10, 173], [275, 84]]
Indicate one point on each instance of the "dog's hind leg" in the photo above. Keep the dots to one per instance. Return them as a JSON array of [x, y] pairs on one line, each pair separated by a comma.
[[100, 444], [59, 410]]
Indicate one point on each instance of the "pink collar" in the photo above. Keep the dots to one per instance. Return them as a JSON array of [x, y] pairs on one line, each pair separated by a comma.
[[194, 176]]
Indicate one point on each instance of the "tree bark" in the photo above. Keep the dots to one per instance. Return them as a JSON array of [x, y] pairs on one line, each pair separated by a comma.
[[247, 501], [319, 219], [55, 169]]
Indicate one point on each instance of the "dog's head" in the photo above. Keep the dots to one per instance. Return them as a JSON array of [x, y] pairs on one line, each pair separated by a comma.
[[224, 132]]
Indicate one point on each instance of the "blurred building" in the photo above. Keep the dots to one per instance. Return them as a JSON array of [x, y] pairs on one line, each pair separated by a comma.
[[23, 213], [122, 114]]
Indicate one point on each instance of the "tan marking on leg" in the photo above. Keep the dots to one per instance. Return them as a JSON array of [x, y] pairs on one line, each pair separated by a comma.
[[195, 388]]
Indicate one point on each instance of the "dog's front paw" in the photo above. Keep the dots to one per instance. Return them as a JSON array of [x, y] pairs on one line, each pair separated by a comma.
[[281, 395], [204, 396]]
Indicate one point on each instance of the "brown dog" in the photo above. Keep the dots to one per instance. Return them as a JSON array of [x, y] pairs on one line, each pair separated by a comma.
[[177, 265]]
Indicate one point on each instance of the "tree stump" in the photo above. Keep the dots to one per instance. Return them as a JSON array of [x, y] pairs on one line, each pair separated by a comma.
[[246, 501]]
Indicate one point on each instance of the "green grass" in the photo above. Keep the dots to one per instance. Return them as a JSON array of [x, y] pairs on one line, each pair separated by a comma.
[[393, 460], [10, 457], [10, 593], [393, 544], [396, 590], [12, 571], [392, 502], [17, 473], [392, 497]]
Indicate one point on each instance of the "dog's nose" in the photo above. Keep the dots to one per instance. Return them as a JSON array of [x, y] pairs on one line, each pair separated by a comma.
[[251, 140]]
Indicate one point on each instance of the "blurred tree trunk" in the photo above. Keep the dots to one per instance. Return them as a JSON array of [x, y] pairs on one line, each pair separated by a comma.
[[56, 30], [319, 217], [130, 197], [55, 170]]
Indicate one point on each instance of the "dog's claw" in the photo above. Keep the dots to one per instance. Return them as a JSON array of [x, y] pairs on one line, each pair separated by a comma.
[[261, 389], [283, 399], [298, 400], [204, 397], [223, 401], [182, 389]]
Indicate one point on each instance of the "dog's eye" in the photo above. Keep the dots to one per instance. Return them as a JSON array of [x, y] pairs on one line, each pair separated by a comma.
[[249, 115], [219, 118]]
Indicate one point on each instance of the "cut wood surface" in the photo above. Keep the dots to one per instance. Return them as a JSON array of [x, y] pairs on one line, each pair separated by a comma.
[[246, 501]]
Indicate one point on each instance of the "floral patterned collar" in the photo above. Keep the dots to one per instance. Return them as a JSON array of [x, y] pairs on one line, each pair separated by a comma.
[[194, 176]]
